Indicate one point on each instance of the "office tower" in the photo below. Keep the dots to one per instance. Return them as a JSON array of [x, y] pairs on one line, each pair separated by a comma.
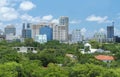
[[36, 28], [10, 29], [26, 31], [110, 32], [100, 37], [63, 20], [76, 36], [47, 31], [60, 31]]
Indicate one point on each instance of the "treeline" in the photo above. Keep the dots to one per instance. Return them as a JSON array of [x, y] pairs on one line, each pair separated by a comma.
[[33, 69], [51, 60]]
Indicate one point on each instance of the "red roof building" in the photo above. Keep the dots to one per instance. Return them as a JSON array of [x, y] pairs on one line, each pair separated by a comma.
[[104, 57]]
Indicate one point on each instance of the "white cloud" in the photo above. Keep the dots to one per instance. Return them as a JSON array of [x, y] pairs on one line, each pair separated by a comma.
[[102, 30], [3, 3], [8, 14], [47, 18], [27, 5], [1, 24], [98, 19], [55, 21], [83, 31], [29, 18], [75, 22], [8, 3]]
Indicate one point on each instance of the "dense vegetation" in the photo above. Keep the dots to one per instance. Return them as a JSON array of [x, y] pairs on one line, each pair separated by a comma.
[[51, 60]]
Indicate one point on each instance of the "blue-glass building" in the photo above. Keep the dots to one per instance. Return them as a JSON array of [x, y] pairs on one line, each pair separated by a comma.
[[110, 31], [48, 31]]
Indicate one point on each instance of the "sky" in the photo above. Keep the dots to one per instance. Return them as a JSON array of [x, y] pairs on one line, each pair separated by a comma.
[[88, 15]]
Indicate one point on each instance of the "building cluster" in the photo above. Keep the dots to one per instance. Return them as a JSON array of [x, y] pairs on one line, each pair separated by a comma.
[[41, 32], [46, 31], [107, 37]]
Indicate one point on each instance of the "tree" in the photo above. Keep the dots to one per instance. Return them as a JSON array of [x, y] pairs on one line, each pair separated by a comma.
[[9, 69]]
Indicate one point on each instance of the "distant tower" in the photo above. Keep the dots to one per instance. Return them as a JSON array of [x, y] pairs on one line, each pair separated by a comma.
[[23, 25], [26, 31], [76, 36], [63, 20], [10, 30], [64, 23], [110, 32]]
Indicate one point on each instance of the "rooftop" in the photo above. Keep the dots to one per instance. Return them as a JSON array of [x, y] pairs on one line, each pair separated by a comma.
[[10, 26], [104, 57]]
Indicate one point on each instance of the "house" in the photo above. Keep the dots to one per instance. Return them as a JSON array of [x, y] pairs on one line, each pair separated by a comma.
[[87, 49]]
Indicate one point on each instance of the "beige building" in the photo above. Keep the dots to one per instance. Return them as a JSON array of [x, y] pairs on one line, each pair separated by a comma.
[[36, 28], [60, 32]]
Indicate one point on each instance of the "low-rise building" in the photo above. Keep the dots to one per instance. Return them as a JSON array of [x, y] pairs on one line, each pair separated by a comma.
[[25, 49], [10, 37], [41, 38]]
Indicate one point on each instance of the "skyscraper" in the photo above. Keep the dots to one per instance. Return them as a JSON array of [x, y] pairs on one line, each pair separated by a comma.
[[10, 29], [110, 32], [60, 31], [63, 20], [76, 36], [36, 28], [26, 31], [100, 37]]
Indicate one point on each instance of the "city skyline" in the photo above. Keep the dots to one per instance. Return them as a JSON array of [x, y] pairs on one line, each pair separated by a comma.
[[89, 16]]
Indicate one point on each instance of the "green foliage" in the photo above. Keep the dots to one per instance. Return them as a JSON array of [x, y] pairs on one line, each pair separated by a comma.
[[91, 70], [9, 69], [51, 60], [94, 44]]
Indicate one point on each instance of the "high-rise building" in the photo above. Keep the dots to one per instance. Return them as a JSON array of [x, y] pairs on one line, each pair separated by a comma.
[[100, 37], [63, 20], [10, 30], [26, 31], [47, 31], [60, 31], [76, 36], [110, 32], [36, 28]]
